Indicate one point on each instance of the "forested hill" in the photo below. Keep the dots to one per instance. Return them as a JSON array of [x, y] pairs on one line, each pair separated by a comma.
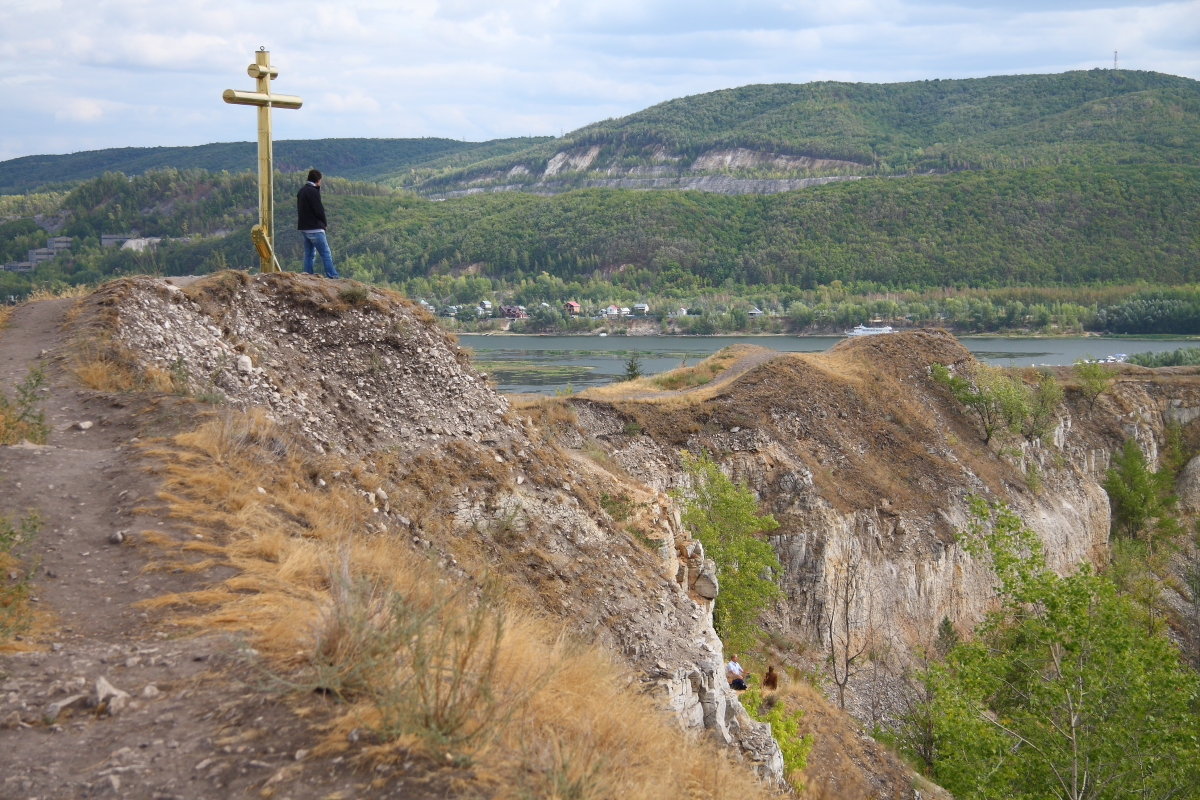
[[379, 160], [748, 134], [1092, 117], [1042, 226]]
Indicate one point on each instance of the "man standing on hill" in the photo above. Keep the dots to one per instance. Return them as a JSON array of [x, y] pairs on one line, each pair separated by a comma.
[[310, 219]]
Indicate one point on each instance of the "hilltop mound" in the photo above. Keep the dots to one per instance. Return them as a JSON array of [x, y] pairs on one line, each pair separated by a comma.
[[355, 368], [288, 450]]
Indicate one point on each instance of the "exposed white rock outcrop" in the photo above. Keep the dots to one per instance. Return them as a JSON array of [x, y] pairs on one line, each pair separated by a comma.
[[871, 465], [742, 158]]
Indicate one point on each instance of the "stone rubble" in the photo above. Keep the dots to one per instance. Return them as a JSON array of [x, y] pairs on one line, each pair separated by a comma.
[[370, 374]]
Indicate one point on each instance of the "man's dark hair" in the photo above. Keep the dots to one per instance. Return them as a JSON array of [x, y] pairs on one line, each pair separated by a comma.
[[314, 175]]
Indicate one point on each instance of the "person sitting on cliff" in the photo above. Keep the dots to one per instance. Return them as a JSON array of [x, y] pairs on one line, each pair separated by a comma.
[[771, 679], [735, 674]]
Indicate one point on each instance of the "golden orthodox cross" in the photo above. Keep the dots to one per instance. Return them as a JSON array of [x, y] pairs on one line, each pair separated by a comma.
[[264, 232]]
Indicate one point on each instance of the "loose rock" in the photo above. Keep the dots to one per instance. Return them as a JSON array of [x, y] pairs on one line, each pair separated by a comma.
[[57, 707], [113, 699]]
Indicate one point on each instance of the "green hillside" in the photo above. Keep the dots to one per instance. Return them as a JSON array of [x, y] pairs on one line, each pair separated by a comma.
[[1032, 227], [1093, 117], [355, 159], [1043, 226], [1013, 121]]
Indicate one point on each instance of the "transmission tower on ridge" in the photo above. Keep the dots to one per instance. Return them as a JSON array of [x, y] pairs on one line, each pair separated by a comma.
[[1114, 60]]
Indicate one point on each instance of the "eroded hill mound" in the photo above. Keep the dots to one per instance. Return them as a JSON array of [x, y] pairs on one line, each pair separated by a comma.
[[352, 367], [323, 433]]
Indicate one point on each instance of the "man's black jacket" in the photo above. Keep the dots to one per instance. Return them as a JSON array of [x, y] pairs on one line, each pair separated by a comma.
[[310, 214]]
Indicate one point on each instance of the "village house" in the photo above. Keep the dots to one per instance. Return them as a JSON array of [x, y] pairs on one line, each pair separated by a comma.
[[571, 308]]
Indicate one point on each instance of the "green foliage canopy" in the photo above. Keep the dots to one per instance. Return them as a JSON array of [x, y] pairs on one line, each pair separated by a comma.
[[1142, 500], [724, 518], [1060, 696]]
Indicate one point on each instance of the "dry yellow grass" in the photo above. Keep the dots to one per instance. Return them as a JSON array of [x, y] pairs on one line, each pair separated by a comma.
[[5, 315], [571, 726], [104, 369], [697, 375], [62, 290], [686, 386]]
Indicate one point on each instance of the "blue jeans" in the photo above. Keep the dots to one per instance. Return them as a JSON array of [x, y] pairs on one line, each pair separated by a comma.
[[315, 243]]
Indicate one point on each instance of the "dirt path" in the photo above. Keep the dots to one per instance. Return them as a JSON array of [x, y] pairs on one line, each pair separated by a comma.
[[190, 729], [732, 372]]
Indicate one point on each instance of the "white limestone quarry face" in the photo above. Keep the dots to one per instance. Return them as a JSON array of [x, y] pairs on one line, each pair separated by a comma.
[[914, 573], [910, 578], [742, 158]]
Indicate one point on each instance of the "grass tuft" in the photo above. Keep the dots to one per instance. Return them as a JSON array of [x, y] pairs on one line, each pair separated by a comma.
[[20, 418], [696, 375], [354, 294], [15, 577]]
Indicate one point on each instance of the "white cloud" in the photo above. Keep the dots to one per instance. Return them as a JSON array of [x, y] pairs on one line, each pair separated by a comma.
[[351, 102], [79, 109], [81, 74]]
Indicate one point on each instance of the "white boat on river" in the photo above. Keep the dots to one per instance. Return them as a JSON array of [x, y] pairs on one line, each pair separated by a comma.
[[863, 330]]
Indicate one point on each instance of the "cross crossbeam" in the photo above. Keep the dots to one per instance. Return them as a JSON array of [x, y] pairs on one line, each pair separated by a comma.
[[263, 73]]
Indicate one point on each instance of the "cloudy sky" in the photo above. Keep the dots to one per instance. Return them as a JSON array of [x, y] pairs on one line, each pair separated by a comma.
[[86, 74]]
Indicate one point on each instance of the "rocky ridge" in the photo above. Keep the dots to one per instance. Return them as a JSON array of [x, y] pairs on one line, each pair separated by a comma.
[[362, 372], [868, 465]]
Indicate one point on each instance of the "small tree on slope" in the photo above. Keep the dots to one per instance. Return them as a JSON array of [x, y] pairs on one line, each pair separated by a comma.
[[724, 517]]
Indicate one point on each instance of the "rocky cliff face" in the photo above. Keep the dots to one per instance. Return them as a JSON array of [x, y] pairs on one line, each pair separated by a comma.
[[867, 464], [718, 184], [720, 170], [363, 373]]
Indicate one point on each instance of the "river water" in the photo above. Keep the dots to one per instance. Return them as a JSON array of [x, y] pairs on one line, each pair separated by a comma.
[[544, 364]]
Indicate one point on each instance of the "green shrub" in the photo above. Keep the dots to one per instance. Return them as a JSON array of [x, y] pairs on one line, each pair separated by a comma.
[[724, 517], [785, 727], [354, 294], [1183, 357], [19, 416]]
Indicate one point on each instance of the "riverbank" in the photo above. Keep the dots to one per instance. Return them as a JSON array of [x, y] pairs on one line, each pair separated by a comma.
[[544, 363], [599, 334]]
